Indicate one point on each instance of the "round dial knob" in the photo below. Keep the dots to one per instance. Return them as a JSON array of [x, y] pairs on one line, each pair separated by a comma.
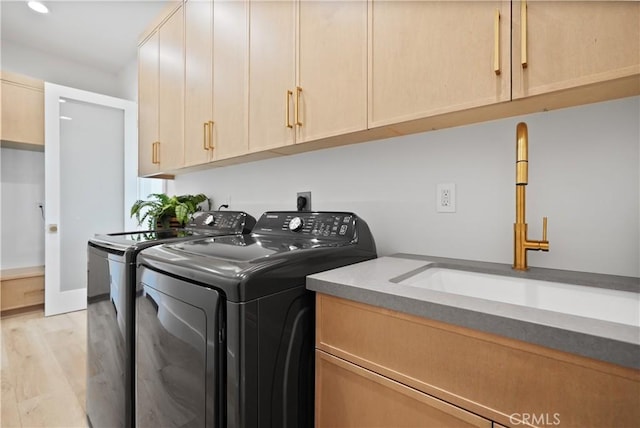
[[295, 225], [209, 220]]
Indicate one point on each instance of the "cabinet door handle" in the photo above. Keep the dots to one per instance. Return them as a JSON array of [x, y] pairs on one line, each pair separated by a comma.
[[156, 152], [297, 112], [211, 123], [523, 33], [496, 43], [153, 152], [205, 141], [287, 121]]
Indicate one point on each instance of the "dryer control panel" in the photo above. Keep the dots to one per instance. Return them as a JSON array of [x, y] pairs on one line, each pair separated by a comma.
[[231, 221], [335, 225]]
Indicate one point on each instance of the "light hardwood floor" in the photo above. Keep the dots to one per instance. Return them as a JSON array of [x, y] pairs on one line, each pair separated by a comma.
[[43, 370]]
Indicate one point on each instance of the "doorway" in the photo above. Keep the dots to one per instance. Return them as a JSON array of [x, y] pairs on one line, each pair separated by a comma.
[[90, 177]]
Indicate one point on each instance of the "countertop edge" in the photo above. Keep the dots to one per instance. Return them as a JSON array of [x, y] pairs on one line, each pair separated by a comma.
[[573, 342]]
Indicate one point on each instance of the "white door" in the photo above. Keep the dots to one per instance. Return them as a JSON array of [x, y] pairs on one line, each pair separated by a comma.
[[90, 182]]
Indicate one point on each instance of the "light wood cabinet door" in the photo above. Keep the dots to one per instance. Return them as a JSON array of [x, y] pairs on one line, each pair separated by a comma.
[[22, 110], [171, 92], [332, 68], [198, 96], [434, 57], [349, 396], [483, 373], [230, 79], [271, 74], [567, 44], [148, 87]]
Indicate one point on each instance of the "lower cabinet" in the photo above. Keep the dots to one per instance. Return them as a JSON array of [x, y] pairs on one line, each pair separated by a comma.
[[348, 396], [381, 368], [21, 288]]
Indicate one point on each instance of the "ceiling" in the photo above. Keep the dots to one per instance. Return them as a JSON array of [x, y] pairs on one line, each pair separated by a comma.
[[97, 33]]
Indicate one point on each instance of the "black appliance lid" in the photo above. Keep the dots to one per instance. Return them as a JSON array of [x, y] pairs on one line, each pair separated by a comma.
[[203, 223], [246, 248], [278, 232], [283, 250], [152, 235]]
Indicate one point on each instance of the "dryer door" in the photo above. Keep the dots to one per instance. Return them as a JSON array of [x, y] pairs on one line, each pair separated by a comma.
[[179, 335]]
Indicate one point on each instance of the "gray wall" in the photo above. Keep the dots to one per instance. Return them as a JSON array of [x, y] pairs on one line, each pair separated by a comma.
[[584, 175]]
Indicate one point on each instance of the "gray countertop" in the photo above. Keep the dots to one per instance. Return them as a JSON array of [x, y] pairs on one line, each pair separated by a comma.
[[377, 282]]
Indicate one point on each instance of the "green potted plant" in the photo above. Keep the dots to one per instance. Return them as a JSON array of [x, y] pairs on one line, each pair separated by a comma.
[[162, 211]]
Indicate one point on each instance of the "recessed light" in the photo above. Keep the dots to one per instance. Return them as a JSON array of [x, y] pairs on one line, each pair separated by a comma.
[[65, 118], [62, 100], [38, 7]]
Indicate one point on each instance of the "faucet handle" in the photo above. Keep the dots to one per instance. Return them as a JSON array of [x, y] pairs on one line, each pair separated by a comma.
[[544, 228]]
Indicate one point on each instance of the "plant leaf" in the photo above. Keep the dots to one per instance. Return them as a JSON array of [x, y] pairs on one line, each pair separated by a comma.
[[182, 213]]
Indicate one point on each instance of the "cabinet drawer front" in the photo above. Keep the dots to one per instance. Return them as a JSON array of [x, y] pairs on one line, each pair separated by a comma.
[[489, 375], [350, 396], [22, 292]]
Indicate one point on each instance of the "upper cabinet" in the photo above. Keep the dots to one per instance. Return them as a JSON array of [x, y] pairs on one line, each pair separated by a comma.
[[228, 81], [308, 71], [331, 90], [161, 98], [230, 133], [198, 95], [171, 101], [22, 111], [434, 57], [272, 85], [216, 73], [565, 44], [148, 92]]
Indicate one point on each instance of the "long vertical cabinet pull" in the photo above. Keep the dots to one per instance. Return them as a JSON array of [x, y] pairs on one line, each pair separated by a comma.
[[287, 120], [155, 152], [297, 112], [211, 146], [523, 33], [205, 140], [207, 143], [496, 45]]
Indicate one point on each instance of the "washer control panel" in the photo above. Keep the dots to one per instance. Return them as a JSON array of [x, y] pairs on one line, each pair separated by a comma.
[[232, 221], [338, 225]]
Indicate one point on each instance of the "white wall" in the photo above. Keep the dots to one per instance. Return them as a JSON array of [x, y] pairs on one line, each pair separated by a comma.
[[583, 174], [22, 231], [128, 81], [22, 182], [42, 65]]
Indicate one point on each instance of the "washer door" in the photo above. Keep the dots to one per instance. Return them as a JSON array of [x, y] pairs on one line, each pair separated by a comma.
[[178, 343]]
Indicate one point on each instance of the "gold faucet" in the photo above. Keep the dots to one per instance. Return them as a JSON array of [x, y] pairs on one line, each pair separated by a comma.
[[520, 242]]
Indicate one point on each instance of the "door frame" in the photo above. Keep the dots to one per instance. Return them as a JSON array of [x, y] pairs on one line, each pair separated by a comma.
[[55, 300]]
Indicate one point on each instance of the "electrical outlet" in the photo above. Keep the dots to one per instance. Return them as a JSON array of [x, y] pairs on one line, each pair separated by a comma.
[[446, 198], [303, 205]]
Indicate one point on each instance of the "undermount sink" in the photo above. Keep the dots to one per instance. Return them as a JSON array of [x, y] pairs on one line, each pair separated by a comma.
[[592, 302]]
